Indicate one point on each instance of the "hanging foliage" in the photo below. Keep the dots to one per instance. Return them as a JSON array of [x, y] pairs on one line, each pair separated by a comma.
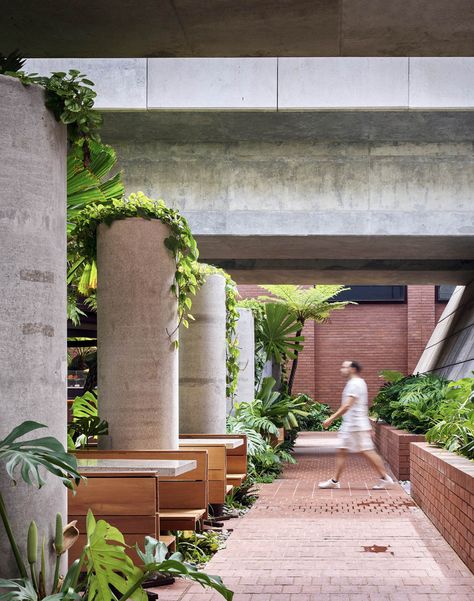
[[180, 242]]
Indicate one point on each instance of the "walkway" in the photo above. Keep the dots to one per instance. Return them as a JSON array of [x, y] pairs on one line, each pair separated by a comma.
[[299, 543]]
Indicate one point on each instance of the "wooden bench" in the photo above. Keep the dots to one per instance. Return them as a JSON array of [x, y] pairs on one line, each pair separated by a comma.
[[126, 501], [236, 459], [217, 457], [180, 501]]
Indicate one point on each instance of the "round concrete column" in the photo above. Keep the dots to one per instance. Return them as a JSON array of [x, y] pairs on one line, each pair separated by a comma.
[[202, 362], [246, 341], [33, 295], [137, 364]]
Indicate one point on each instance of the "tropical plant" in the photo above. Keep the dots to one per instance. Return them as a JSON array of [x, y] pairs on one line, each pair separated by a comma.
[[271, 410], [242, 497], [411, 403], [304, 304], [198, 547], [104, 556], [11, 63], [454, 423], [25, 458], [106, 564], [317, 413], [180, 242], [71, 99], [86, 422]]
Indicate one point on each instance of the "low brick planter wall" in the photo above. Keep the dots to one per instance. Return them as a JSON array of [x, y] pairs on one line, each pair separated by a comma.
[[394, 446], [442, 485]]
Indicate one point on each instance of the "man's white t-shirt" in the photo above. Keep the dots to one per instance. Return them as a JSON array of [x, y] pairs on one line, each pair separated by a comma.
[[356, 419]]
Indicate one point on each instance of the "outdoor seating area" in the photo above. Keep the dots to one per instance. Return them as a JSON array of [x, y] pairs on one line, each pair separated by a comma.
[[237, 301]]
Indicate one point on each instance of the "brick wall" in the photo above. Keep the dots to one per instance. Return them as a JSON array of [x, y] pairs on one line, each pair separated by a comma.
[[442, 484], [379, 335], [394, 446], [421, 319]]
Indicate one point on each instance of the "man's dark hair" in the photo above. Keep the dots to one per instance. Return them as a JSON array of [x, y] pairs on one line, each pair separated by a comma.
[[357, 366]]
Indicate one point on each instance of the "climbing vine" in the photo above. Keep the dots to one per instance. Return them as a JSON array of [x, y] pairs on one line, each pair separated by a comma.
[[71, 98], [180, 242], [232, 317]]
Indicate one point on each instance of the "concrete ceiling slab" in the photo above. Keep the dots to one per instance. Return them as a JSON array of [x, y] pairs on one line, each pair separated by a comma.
[[343, 126], [238, 28]]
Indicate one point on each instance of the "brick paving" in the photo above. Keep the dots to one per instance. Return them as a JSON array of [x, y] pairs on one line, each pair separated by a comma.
[[300, 543]]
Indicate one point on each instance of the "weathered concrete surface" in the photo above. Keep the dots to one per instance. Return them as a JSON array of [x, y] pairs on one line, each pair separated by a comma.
[[120, 84], [138, 366], [450, 350], [245, 28], [202, 362], [246, 341], [33, 295], [361, 212]]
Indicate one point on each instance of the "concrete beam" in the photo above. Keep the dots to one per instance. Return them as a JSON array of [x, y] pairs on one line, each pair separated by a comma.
[[271, 84], [121, 84], [347, 83], [212, 83]]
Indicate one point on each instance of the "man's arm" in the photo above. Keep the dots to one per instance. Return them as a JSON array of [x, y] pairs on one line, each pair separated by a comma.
[[340, 412]]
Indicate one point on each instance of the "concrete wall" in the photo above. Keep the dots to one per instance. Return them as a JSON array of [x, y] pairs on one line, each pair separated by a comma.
[[33, 295], [450, 350]]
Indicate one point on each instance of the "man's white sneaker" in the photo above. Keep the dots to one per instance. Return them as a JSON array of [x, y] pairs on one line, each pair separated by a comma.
[[329, 484], [383, 483]]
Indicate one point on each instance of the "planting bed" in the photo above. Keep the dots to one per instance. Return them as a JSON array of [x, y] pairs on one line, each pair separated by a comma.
[[394, 446], [442, 485]]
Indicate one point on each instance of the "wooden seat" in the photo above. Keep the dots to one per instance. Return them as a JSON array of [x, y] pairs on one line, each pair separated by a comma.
[[235, 479], [181, 500], [235, 464], [217, 458], [181, 519], [169, 540]]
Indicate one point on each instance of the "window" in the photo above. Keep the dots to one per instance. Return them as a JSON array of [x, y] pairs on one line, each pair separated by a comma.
[[443, 293], [374, 294]]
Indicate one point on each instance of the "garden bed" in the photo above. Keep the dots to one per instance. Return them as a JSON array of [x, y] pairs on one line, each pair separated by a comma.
[[394, 446], [442, 485]]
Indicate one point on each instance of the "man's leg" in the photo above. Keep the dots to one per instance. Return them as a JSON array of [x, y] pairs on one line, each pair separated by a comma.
[[340, 463], [374, 458]]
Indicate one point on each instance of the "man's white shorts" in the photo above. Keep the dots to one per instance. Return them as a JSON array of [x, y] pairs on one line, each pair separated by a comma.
[[355, 442]]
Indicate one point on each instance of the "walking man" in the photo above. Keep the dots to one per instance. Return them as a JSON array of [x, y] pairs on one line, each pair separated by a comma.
[[355, 434]]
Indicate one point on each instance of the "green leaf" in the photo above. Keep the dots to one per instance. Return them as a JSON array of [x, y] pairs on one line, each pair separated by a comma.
[[28, 457], [107, 562]]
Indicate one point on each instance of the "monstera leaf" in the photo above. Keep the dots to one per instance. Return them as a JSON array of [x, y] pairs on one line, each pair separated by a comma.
[[28, 456], [154, 559], [108, 564]]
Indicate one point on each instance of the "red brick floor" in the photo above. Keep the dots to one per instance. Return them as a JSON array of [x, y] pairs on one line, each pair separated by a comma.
[[300, 543]]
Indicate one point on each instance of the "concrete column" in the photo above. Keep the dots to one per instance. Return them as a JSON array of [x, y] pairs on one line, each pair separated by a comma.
[[137, 364], [202, 362], [33, 295], [246, 340]]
